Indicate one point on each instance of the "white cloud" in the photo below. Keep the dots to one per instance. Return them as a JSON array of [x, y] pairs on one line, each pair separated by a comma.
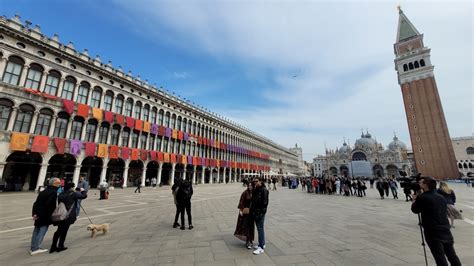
[[342, 54]]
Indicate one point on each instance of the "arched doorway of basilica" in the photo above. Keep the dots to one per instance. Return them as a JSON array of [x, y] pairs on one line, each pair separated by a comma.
[[114, 174], [344, 170], [332, 171], [61, 166], [21, 171], [378, 170], [166, 173], [392, 171], [135, 171], [91, 168]]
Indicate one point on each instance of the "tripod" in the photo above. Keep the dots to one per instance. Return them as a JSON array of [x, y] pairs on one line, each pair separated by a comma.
[[422, 239]]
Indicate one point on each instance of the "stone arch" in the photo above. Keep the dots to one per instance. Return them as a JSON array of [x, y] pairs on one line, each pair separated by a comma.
[[166, 173], [21, 171], [135, 171], [151, 172], [392, 170], [61, 166], [114, 175], [378, 170], [91, 169]]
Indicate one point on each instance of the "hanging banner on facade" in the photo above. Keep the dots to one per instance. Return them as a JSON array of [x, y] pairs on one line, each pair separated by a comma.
[[184, 159], [196, 161], [138, 124], [90, 149], [173, 158], [161, 130], [75, 147], [83, 110], [40, 144], [125, 153], [190, 159], [168, 132], [109, 116], [203, 162], [166, 157], [68, 106], [130, 122], [160, 156], [146, 127], [119, 119], [102, 151], [135, 154], [97, 113], [180, 135], [174, 134], [153, 155], [114, 152], [19, 141], [154, 129], [60, 144], [186, 136], [143, 155]]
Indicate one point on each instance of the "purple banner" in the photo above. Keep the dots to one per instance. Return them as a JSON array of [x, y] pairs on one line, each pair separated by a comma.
[[168, 132], [154, 129], [75, 147], [203, 162], [186, 136], [190, 159]]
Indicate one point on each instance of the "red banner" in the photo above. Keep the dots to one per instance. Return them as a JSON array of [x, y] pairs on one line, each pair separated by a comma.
[[180, 135], [135, 153], [114, 152], [109, 117], [125, 153], [40, 144], [173, 158], [90, 149], [160, 156], [153, 155], [161, 130], [68, 106], [144, 155], [83, 110], [119, 119], [130, 122], [139, 124], [60, 144], [166, 157]]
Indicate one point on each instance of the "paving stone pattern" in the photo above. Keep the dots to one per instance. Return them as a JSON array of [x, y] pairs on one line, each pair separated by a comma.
[[301, 229]]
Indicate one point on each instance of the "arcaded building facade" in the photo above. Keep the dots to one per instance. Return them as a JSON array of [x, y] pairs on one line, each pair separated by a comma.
[[65, 114]]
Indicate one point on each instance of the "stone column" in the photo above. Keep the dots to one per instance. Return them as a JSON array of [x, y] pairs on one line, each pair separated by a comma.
[[53, 125], [69, 127], [160, 168], [224, 176], [24, 73], [218, 175], [194, 174], [125, 176], [75, 92], [3, 63], [77, 172], [83, 131], [97, 133], [11, 123], [42, 83], [60, 87], [143, 175], [2, 167], [33, 122], [173, 166], [211, 177], [103, 174], [41, 176], [203, 175]]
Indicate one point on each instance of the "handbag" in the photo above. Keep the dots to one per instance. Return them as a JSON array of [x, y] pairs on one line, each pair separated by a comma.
[[245, 210], [60, 213]]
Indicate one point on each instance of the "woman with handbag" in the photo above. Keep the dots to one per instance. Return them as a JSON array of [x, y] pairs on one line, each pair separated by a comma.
[[69, 198], [245, 229]]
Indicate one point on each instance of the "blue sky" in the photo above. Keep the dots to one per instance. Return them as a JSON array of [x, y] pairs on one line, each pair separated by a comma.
[[308, 73]]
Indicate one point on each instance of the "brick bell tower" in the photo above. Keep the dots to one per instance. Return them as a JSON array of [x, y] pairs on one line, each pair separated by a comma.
[[431, 143]]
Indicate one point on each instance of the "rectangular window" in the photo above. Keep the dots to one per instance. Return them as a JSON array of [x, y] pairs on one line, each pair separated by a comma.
[[165, 145], [12, 73], [95, 100], [135, 139], [90, 132], [151, 145], [60, 128], [33, 79], [158, 143], [118, 105], [103, 132], [108, 102], [125, 138], [76, 130], [143, 138], [4, 115], [23, 122], [68, 90], [128, 109], [114, 136], [51, 86], [82, 95], [42, 126]]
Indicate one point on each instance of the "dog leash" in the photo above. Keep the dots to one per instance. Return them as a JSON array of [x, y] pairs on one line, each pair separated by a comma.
[[86, 214]]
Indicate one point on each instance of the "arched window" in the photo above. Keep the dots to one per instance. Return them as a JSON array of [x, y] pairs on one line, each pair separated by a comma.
[[96, 95], [129, 107], [52, 82], [189, 125], [90, 130], [23, 118], [173, 121], [33, 79], [459, 165], [167, 119], [158, 143], [178, 125], [13, 70], [135, 139], [160, 117], [103, 132], [194, 128], [416, 64], [44, 122], [410, 66], [165, 144], [146, 112], [465, 165], [185, 125], [108, 100], [153, 115], [405, 67], [119, 104], [470, 150], [125, 136], [5, 111], [115, 134], [470, 165], [83, 92], [60, 128], [143, 138], [422, 62], [76, 129], [68, 88], [151, 143], [138, 110]]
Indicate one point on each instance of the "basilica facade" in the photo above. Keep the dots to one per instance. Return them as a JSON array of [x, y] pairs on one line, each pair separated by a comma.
[[367, 158], [65, 114]]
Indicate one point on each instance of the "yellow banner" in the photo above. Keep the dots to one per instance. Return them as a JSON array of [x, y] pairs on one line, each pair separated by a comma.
[[146, 127], [19, 141], [97, 113], [102, 151]]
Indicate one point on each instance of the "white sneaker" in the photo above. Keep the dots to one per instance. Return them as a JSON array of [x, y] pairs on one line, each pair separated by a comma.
[[258, 251], [38, 251], [257, 247]]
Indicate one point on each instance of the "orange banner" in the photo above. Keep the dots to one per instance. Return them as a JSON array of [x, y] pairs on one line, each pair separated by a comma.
[[97, 113], [174, 134], [184, 159], [102, 151], [135, 154], [19, 141], [166, 157], [138, 124], [146, 127], [40, 144], [83, 110]]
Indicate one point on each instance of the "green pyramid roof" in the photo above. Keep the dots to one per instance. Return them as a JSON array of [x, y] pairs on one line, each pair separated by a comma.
[[406, 30]]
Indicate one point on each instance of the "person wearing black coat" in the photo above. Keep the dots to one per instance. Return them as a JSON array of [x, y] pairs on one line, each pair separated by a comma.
[[434, 219], [43, 208], [69, 197], [183, 202], [258, 210]]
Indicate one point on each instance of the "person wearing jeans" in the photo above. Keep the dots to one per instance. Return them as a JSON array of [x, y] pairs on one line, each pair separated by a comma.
[[43, 208], [258, 210]]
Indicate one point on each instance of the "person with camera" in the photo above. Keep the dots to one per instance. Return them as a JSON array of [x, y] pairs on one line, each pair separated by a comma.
[[258, 210], [434, 219]]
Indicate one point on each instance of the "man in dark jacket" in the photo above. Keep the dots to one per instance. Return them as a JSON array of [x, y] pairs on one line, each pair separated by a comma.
[[434, 218], [183, 200], [258, 210], [43, 208]]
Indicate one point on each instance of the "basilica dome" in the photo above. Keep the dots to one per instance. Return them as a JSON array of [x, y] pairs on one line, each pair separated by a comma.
[[366, 141], [397, 144], [345, 148]]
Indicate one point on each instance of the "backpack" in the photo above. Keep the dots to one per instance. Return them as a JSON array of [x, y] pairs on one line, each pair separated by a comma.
[[60, 213], [186, 190]]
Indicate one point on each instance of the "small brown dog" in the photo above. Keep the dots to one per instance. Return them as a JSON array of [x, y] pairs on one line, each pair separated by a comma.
[[97, 228]]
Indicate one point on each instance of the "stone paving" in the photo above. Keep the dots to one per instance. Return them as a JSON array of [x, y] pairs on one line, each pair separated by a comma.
[[301, 229]]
